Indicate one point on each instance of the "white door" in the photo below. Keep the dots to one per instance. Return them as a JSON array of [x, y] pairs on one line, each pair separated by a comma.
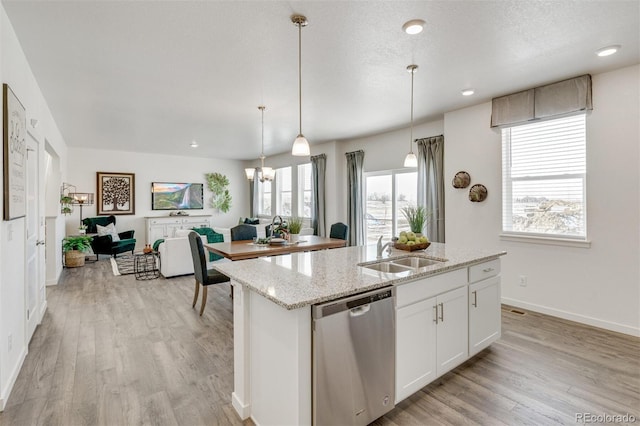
[[34, 275]]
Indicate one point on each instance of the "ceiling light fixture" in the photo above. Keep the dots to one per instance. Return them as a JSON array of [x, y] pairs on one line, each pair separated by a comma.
[[414, 26], [468, 92], [264, 173], [301, 144], [609, 50], [194, 144], [411, 160]]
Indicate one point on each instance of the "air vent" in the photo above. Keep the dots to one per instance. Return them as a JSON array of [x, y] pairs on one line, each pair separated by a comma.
[[515, 311]]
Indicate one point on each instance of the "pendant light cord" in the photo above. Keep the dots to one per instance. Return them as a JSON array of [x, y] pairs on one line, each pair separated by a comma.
[[411, 140], [262, 157], [300, 77]]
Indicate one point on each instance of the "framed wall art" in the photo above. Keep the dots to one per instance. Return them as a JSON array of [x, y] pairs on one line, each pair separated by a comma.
[[15, 155], [116, 193]]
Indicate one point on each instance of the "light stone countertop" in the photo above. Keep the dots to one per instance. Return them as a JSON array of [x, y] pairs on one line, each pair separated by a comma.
[[300, 279]]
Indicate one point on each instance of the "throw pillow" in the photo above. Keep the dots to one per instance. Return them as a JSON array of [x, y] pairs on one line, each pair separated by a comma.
[[252, 221], [110, 229]]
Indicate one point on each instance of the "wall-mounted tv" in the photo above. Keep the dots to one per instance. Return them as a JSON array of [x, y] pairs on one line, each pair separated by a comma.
[[176, 196]]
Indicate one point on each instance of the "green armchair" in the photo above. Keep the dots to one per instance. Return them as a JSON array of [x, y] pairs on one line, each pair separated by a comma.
[[105, 244]]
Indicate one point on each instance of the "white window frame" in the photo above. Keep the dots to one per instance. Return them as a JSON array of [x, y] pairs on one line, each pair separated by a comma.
[[296, 194], [507, 208]]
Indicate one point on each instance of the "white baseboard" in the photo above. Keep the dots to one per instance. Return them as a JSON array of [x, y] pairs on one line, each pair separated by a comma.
[[4, 396], [583, 319], [243, 410]]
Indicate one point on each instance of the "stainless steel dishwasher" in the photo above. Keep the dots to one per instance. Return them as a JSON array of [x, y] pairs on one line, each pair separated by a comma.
[[354, 358]]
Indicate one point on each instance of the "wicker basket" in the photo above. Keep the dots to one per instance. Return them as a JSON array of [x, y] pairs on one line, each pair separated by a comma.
[[418, 246], [74, 258]]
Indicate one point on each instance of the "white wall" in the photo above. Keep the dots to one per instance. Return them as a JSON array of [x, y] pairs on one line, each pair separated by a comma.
[[154, 168], [15, 71], [599, 285]]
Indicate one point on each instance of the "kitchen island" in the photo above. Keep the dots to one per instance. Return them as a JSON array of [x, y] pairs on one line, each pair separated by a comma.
[[273, 325]]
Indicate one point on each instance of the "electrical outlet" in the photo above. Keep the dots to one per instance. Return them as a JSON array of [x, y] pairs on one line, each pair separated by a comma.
[[10, 342], [523, 280]]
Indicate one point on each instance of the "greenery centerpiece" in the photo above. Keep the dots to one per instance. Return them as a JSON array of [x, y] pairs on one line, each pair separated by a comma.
[[417, 216], [295, 226], [74, 248]]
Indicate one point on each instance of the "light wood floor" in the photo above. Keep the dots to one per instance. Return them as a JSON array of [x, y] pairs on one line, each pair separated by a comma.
[[116, 351]]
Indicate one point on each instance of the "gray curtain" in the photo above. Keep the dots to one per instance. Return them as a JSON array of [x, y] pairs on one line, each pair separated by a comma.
[[318, 172], [551, 100], [431, 184], [254, 191], [355, 197]]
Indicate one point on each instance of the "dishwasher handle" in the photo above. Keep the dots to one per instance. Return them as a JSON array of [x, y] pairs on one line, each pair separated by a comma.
[[357, 304], [360, 310]]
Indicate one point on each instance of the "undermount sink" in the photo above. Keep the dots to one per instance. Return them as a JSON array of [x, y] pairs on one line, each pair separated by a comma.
[[387, 267], [403, 265], [416, 262]]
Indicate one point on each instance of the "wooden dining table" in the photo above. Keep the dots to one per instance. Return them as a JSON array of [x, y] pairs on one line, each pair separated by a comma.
[[247, 249]]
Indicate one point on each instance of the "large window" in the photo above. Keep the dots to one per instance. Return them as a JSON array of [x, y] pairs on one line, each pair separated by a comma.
[[386, 194], [289, 194], [264, 194], [543, 169], [283, 191], [304, 190]]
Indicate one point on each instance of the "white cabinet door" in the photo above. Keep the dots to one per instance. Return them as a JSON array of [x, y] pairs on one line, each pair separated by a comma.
[[484, 314], [415, 347], [452, 336]]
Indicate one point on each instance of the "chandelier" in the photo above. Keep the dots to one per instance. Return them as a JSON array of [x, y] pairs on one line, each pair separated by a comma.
[[261, 173]]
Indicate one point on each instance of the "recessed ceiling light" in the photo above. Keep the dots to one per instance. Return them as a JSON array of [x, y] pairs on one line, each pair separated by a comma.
[[468, 92], [609, 50], [194, 144], [414, 26]]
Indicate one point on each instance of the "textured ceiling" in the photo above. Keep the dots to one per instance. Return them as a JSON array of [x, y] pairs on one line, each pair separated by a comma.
[[152, 76]]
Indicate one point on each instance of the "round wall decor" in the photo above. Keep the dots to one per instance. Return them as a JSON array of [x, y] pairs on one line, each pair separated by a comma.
[[461, 180], [478, 193]]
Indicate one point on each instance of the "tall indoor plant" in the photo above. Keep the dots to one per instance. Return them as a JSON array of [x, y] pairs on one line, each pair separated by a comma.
[[74, 249]]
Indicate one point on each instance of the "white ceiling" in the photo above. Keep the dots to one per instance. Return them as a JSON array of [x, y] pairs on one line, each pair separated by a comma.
[[152, 76]]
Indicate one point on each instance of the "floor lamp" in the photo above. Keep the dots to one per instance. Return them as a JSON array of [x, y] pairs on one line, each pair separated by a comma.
[[81, 199]]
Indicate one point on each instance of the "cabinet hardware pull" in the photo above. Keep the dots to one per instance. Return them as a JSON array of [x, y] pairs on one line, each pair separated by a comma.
[[435, 307], [441, 312], [475, 299], [487, 270]]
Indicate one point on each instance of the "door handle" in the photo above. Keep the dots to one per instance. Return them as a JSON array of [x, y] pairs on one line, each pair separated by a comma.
[[441, 312], [40, 243], [435, 317], [475, 299]]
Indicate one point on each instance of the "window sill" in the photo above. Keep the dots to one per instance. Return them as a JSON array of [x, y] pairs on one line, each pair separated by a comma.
[[552, 241]]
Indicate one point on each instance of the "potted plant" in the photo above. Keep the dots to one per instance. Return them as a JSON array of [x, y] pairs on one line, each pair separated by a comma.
[[74, 248], [65, 204], [417, 217], [295, 225]]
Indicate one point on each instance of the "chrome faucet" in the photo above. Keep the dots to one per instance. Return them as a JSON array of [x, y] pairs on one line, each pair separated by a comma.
[[380, 248], [273, 223]]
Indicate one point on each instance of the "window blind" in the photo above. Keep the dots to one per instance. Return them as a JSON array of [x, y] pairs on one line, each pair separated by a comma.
[[544, 169]]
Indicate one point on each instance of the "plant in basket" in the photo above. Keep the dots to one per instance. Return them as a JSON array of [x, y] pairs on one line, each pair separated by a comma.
[[74, 248]]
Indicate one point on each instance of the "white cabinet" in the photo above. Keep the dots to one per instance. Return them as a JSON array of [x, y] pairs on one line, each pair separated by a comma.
[[484, 314], [165, 227], [443, 320], [415, 347], [452, 330], [431, 330]]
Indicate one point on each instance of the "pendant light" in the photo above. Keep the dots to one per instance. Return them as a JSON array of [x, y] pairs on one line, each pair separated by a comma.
[[263, 173], [301, 144], [411, 160]]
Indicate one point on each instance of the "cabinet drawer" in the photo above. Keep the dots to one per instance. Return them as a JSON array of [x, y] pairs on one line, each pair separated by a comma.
[[424, 288], [484, 270]]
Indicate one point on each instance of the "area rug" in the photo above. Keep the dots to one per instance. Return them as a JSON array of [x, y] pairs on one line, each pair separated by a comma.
[[122, 265]]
